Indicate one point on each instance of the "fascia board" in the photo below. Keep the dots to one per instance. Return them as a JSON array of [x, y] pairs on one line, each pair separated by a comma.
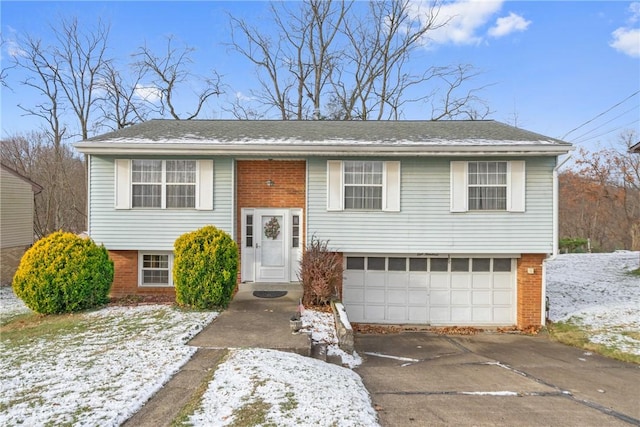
[[333, 150]]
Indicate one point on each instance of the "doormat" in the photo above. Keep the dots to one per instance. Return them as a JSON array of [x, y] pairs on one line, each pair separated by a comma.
[[269, 294]]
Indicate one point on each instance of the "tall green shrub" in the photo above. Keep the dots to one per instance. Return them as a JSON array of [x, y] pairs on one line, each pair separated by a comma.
[[64, 273], [205, 268]]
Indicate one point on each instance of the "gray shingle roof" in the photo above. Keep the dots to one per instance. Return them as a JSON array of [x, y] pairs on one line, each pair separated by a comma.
[[381, 131], [311, 138]]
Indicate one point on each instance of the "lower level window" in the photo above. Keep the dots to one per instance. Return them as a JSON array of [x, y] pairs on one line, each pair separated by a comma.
[[155, 269]]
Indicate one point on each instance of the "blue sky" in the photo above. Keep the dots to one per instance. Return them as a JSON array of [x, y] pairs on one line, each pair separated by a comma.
[[550, 65]]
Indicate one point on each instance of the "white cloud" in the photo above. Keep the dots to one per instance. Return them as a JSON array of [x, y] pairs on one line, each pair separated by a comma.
[[508, 24], [634, 8], [627, 41], [148, 93], [460, 20]]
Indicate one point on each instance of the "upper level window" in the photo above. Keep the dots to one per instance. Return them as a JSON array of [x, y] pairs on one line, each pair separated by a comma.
[[163, 183], [362, 185], [487, 186]]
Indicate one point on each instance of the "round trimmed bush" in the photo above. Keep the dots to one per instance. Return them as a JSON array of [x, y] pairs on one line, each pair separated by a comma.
[[205, 268], [64, 273]]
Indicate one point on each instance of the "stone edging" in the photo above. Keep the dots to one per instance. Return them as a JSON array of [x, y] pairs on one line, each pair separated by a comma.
[[344, 331]]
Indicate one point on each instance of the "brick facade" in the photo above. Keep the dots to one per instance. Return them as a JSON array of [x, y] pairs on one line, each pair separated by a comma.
[[288, 190], [125, 277], [530, 290]]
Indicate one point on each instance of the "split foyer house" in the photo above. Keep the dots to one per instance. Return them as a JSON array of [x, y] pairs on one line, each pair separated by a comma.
[[438, 222]]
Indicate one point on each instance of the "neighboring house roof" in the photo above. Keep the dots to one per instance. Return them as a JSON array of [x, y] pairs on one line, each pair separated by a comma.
[[635, 148], [286, 138], [34, 186]]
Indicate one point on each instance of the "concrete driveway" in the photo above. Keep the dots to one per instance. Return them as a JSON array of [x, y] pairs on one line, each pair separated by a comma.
[[423, 379]]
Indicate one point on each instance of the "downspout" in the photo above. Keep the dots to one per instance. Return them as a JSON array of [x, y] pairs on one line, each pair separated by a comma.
[[555, 237]]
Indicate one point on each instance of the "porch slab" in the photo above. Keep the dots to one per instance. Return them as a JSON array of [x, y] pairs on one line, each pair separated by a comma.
[[252, 322]]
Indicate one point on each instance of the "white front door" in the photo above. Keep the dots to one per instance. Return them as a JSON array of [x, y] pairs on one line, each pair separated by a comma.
[[271, 246]]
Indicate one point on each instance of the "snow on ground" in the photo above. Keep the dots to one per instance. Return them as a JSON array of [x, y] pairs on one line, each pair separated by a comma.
[[296, 390], [10, 306], [322, 328], [99, 370], [597, 292]]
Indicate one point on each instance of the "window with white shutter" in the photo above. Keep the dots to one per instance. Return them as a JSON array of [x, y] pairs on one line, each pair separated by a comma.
[[363, 185], [163, 184], [488, 186]]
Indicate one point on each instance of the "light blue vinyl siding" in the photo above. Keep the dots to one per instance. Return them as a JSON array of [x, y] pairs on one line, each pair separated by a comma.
[[152, 229], [425, 223]]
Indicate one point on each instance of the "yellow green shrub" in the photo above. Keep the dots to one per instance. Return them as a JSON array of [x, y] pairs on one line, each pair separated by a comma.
[[64, 273], [205, 268]]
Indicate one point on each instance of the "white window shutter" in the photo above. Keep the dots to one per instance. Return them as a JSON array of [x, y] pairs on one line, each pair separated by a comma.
[[334, 185], [204, 185], [122, 184], [459, 200], [391, 189], [516, 186]]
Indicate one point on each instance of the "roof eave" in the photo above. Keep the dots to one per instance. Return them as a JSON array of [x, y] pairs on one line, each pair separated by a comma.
[[97, 148]]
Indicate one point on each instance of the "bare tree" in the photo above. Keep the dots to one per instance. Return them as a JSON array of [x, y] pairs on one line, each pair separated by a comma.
[[353, 66], [80, 60], [42, 70], [62, 202], [169, 71], [121, 106]]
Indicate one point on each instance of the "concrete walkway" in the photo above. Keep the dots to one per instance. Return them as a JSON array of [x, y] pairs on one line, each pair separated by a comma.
[[248, 322]]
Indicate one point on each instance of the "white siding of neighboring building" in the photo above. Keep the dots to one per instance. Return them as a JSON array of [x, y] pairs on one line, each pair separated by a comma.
[[152, 229], [16, 211], [425, 223]]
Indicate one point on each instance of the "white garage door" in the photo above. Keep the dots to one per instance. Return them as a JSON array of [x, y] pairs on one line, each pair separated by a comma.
[[436, 291]]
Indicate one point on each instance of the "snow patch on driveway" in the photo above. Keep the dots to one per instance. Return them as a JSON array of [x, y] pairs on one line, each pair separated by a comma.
[[298, 391]]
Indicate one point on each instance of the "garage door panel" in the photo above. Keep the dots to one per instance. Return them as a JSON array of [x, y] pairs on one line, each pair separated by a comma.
[[396, 313], [440, 297], [418, 297], [373, 296], [502, 298], [396, 296], [482, 281], [397, 280], [439, 281], [461, 314], [481, 298], [356, 312], [460, 297], [354, 277], [460, 280], [439, 314], [418, 314], [374, 312], [503, 315], [418, 280], [353, 295], [376, 278], [502, 281], [482, 315]]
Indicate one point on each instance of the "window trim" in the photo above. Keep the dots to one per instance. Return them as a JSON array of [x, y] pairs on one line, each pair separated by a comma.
[[204, 185], [516, 186], [391, 186], [141, 269]]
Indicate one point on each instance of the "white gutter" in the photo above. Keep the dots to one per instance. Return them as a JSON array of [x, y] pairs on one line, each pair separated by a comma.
[[555, 237], [327, 150]]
